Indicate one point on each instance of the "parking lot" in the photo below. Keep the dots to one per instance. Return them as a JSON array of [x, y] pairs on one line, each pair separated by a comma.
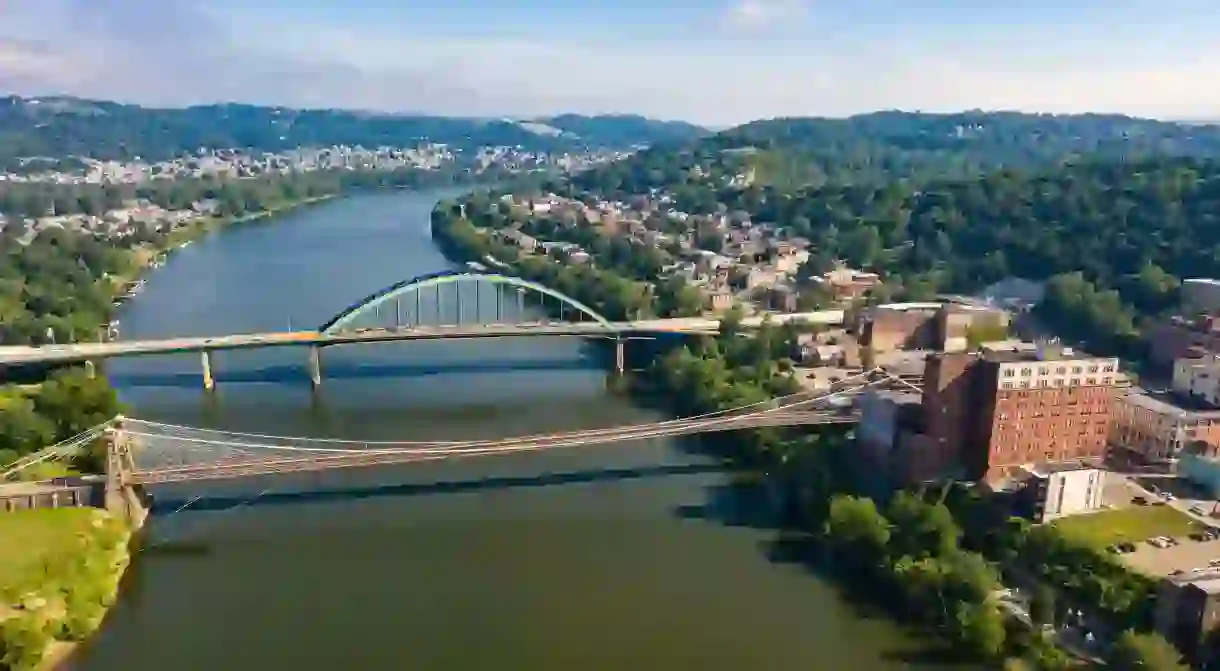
[[1188, 553]]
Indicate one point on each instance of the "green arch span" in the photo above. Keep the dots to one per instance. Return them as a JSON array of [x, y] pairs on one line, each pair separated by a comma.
[[345, 318]]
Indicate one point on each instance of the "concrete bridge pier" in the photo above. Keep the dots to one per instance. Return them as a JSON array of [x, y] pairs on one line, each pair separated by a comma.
[[315, 366], [209, 382], [620, 357]]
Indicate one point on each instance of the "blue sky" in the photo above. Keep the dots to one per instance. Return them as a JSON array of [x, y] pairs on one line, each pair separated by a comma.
[[717, 62]]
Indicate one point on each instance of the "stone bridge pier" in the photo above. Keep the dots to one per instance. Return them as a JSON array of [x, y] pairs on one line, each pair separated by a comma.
[[126, 501]]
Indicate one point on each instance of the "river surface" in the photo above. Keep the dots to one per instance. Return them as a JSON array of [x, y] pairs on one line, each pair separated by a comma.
[[629, 556]]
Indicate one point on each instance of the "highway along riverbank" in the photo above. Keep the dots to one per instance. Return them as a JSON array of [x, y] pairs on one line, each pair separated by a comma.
[[624, 556]]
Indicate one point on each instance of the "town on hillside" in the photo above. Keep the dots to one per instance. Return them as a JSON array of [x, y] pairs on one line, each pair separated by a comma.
[[1003, 402], [232, 165]]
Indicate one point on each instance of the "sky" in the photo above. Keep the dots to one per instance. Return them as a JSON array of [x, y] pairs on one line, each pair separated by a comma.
[[713, 62]]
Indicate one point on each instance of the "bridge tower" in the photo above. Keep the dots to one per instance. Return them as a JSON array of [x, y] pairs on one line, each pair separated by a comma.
[[122, 499]]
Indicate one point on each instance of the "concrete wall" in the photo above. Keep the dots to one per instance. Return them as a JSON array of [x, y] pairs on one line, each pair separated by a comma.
[[25, 498], [1073, 492]]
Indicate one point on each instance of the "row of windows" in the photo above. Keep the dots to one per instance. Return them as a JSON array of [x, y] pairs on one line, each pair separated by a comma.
[[1057, 393], [1058, 382], [1005, 432], [1056, 411], [1061, 370]]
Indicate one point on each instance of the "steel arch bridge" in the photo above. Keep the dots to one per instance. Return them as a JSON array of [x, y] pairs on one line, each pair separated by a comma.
[[410, 300]]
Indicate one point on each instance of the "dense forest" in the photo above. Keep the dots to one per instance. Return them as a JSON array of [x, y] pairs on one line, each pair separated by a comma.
[[1114, 237], [886, 147], [63, 127]]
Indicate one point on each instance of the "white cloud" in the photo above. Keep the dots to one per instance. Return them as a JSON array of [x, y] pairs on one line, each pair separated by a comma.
[[170, 52], [757, 14]]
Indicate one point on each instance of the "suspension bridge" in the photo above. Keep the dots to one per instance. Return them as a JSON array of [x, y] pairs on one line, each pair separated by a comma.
[[143, 454], [437, 306]]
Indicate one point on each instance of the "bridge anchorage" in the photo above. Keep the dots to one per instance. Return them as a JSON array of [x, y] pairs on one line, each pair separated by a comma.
[[453, 305], [144, 454]]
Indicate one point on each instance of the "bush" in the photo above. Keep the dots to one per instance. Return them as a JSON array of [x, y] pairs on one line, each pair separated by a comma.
[[23, 643]]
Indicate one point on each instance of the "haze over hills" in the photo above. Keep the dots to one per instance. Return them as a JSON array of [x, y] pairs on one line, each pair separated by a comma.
[[894, 145], [65, 126]]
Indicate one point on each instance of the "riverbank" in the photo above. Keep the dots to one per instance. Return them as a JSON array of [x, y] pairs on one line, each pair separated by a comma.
[[888, 549], [146, 258], [60, 571]]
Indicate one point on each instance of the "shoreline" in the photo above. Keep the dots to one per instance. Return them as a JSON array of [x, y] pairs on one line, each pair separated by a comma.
[[53, 615], [59, 654], [776, 485], [146, 258]]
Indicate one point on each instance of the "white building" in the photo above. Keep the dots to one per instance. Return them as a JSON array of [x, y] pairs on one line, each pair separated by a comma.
[[1198, 378], [1060, 491]]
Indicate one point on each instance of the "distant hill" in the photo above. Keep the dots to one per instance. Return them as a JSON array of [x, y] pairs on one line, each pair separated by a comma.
[[64, 126], [892, 145]]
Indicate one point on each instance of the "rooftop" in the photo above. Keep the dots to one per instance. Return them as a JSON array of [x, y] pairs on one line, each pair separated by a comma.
[[899, 397], [1208, 581], [1164, 403], [1046, 469]]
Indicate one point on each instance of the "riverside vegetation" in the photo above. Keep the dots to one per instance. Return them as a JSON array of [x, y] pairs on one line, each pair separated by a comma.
[[942, 553], [59, 569], [935, 202]]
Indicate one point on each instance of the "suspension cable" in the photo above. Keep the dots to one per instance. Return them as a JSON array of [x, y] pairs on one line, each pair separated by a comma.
[[819, 395], [339, 457]]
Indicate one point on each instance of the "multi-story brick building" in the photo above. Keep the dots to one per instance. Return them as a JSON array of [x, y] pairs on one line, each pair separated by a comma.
[[1157, 428], [1018, 404], [937, 326]]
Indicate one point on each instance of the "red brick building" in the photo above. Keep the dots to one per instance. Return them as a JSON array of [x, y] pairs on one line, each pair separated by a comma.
[[1005, 408]]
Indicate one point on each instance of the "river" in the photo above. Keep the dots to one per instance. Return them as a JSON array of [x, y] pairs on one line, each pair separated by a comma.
[[615, 557]]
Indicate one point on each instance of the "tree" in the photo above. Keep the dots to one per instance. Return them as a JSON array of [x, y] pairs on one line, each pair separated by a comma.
[[921, 529], [980, 629], [23, 643], [857, 530], [1145, 652], [22, 428], [75, 402], [1042, 605]]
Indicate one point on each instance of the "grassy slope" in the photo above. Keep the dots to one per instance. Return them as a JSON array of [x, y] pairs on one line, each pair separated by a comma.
[[1134, 524], [35, 546]]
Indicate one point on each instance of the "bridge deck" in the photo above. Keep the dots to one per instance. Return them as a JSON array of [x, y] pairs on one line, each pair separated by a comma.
[[93, 351], [362, 458]]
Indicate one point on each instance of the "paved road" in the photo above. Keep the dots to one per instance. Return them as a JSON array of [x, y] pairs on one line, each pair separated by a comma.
[[93, 351]]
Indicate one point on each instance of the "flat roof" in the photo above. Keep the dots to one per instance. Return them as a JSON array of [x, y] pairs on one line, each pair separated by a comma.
[[898, 396], [1208, 581], [1166, 404], [1064, 467]]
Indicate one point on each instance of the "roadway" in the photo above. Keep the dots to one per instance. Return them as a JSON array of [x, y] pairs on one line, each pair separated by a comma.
[[95, 351]]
